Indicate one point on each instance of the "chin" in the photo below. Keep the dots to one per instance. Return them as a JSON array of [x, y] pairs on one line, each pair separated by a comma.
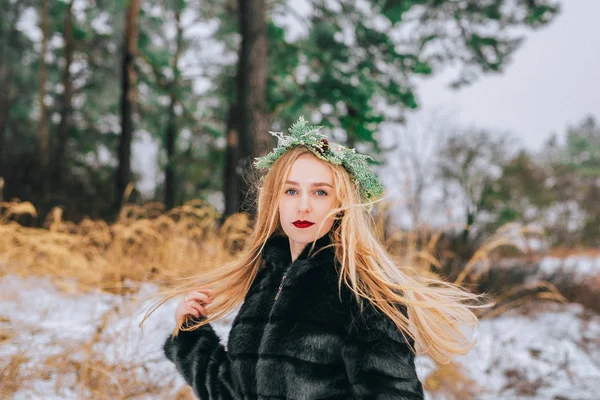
[[299, 236], [308, 236]]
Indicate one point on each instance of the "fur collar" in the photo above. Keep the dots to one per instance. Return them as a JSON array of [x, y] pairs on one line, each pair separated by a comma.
[[277, 254]]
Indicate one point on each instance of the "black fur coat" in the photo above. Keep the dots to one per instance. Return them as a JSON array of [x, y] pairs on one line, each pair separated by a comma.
[[295, 338]]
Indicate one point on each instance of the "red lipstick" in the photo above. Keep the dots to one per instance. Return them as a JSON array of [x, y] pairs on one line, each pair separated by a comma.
[[302, 224]]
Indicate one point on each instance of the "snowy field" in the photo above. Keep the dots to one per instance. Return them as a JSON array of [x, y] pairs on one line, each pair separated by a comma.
[[578, 267], [552, 353]]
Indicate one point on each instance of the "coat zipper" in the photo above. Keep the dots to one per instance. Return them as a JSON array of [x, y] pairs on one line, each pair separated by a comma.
[[280, 287], [276, 296]]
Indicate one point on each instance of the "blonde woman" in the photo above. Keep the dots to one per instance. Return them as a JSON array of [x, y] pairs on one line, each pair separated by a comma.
[[325, 313]]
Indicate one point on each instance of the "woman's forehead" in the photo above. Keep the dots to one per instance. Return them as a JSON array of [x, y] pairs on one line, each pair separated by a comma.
[[308, 169]]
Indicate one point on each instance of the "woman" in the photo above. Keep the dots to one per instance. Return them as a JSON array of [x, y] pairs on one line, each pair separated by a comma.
[[325, 313]]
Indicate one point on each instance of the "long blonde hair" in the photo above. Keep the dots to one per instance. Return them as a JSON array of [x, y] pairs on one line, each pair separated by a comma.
[[437, 310]]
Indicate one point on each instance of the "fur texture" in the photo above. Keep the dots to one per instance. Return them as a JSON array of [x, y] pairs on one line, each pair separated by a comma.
[[310, 343]]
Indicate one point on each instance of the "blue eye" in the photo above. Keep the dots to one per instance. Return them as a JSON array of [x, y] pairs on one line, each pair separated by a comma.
[[321, 193]]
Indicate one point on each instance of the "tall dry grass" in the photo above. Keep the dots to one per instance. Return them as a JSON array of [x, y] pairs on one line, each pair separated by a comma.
[[12, 373], [420, 249], [450, 382], [147, 244]]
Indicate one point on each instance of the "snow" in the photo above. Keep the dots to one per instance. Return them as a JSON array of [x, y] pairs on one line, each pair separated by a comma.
[[558, 349], [577, 266], [552, 353], [45, 321]]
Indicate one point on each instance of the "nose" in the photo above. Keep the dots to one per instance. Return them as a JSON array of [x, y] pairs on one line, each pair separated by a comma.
[[304, 204]]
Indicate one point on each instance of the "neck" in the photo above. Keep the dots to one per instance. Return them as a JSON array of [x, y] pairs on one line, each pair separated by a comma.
[[295, 249], [280, 251]]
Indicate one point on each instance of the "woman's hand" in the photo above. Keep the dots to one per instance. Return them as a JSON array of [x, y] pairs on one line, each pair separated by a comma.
[[193, 304]]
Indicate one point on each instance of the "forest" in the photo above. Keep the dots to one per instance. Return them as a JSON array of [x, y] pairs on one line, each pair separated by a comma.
[[191, 90]]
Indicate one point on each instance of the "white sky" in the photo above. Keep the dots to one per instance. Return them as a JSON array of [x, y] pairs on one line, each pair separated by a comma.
[[552, 82]]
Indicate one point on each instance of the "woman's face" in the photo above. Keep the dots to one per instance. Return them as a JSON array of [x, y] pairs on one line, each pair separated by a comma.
[[308, 195]]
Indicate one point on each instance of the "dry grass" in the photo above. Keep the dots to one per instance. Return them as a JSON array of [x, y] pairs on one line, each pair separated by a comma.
[[450, 382], [419, 249], [143, 245], [565, 252], [12, 373], [12, 369], [585, 292], [95, 378]]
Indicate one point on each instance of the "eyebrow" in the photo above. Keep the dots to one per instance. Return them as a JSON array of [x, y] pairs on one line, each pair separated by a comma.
[[314, 184]]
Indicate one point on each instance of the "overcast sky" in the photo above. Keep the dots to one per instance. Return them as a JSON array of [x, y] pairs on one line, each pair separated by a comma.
[[553, 81]]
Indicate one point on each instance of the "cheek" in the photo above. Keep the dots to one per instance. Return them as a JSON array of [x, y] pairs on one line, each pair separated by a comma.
[[326, 209], [327, 223], [284, 207]]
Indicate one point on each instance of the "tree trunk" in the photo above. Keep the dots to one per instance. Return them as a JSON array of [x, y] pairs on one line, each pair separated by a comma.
[[170, 139], [65, 120], [43, 79], [128, 100], [9, 88], [469, 224], [5, 105], [253, 137], [6, 30], [231, 177], [351, 132], [171, 135]]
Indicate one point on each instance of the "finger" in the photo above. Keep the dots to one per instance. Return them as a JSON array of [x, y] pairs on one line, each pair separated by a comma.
[[197, 307], [197, 296], [206, 291], [192, 311], [195, 293], [198, 300]]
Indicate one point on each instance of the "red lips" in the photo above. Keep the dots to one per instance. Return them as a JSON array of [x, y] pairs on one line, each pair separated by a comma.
[[302, 224]]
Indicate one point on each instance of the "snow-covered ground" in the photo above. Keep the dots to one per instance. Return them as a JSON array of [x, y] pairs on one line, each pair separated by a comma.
[[554, 354], [578, 267], [550, 354]]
